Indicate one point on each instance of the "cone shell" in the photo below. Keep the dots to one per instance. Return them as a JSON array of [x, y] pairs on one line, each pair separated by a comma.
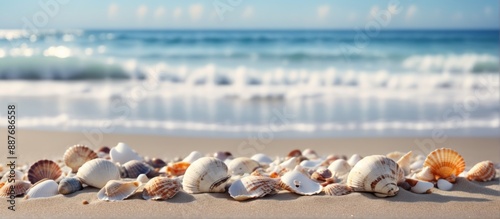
[[44, 169], [98, 172], [122, 153], [445, 163], [116, 190], [178, 168], [252, 187], [161, 188], [242, 165], [206, 174], [77, 155], [134, 168], [482, 171], [337, 189], [20, 188], [69, 185], [42, 189], [298, 182], [377, 174]]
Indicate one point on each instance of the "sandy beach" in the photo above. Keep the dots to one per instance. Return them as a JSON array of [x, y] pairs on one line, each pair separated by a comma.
[[465, 200]]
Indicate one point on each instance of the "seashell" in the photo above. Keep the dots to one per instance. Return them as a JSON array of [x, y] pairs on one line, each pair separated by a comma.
[[291, 163], [161, 188], [103, 149], [294, 153], [193, 156], [143, 179], [445, 163], [417, 164], [206, 174], [16, 188], [310, 154], [77, 155], [311, 164], [122, 153], [15, 174], [404, 162], [116, 190], [320, 175], [44, 169], [444, 185], [355, 158], [42, 189], [337, 189], [252, 187], [262, 159], [419, 187], [69, 185], [395, 155], [339, 168], [425, 174], [98, 172], [134, 168], [242, 165], [223, 155], [157, 163], [377, 174], [297, 182], [177, 169], [482, 171]]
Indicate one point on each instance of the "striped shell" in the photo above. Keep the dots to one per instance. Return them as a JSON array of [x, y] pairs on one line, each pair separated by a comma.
[[20, 188], [161, 188], [98, 172], [44, 188], [482, 171], [17, 175], [242, 165], [445, 163], [44, 169], [77, 155], [69, 185], [337, 189], [377, 174], [116, 190], [206, 174], [252, 187], [178, 168], [134, 168], [298, 182]]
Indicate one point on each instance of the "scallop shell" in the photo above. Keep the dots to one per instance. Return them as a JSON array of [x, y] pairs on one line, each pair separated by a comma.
[[161, 188], [482, 171], [206, 174], [16, 175], [134, 168], [377, 174], [337, 189], [444, 184], [98, 172], [404, 162], [122, 153], [340, 168], [298, 182], [20, 188], [445, 163], [419, 187], [355, 158], [116, 190], [77, 155], [44, 188], [44, 169], [178, 168], [425, 174], [262, 159], [252, 187], [193, 156], [69, 185], [242, 165]]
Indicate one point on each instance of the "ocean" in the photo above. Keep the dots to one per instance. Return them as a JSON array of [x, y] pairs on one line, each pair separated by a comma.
[[243, 83]]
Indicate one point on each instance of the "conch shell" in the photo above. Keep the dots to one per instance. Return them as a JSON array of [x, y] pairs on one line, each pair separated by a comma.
[[482, 171], [445, 164]]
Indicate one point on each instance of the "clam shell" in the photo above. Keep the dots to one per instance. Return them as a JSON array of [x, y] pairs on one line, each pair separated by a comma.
[[252, 187], [77, 155], [340, 168], [355, 158], [298, 182], [242, 165], [44, 188], [445, 163], [16, 175], [178, 168], [19, 188], [143, 179], [482, 171], [44, 169], [404, 162], [193, 156], [122, 153], [98, 172], [116, 190], [161, 188], [444, 184], [262, 159], [377, 174], [337, 189], [69, 185], [206, 174], [419, 187], [134, 168]]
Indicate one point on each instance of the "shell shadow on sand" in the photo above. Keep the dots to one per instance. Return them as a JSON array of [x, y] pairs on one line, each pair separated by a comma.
[[465, 185]]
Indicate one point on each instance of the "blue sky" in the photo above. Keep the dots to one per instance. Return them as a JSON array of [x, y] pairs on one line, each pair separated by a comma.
[[243, 14]]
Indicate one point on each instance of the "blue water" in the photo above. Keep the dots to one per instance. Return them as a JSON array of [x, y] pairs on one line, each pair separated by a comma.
[[233, 83]]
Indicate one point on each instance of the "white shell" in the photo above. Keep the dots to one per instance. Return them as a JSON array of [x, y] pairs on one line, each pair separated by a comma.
[[252, 187], [206, 174], [43, 189], [242, 165], [425, 174], [339, 168], [122, 153], [310, 154], [98, 172], [262, 158], [142, 179], [444, 185], [311, 164], [355, 158], [193, 156], [116, 190], [418, 164], [18, 175], [298, 182], [419, 187], [404, 162], [290, 164]]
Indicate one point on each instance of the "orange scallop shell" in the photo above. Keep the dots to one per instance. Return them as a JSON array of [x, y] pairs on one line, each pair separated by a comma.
[[44, 169], [482, 171], [177, 169], [445, 163]]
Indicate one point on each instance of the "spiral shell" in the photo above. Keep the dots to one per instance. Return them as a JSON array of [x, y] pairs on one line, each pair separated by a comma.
[[297, 181], [116, 190], [178, 168], [69, 185], [42, 189], [44, 169], [77, 155], [206, 174], [337, 189], [161, 188], [377, 174], [134, 168], [252, 187], [122, 153], [482, 171], [98, 172], [17, 188], [242, 165], [445, 163]]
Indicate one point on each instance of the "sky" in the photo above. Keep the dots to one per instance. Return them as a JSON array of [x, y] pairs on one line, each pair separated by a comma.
[[250, 14]]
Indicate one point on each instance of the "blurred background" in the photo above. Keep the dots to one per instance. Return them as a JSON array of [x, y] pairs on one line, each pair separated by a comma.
[[235, 68]]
